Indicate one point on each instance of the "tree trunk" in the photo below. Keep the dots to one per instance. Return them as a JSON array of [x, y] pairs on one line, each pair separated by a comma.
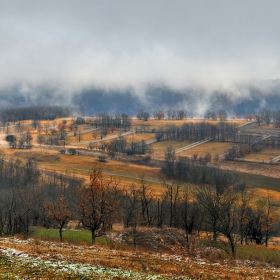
[[232, 246], [93, 236], [60, 234]]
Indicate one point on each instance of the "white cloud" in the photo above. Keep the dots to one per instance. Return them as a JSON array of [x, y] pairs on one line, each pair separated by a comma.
[[212, 45]]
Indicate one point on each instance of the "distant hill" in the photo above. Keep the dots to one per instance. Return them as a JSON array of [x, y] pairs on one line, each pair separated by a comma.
[[246, 99]]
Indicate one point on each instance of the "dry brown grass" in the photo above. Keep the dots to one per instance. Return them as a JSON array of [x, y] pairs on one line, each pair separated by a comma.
[[83, 137], [89, 136], [154, 123], [160, 147], [140, 136], [213, 148], [170, 259], [264, 154], [38, 157], [269, 170], [258, 192]]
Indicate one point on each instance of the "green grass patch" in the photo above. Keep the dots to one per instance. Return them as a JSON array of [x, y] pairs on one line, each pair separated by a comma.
[[70, 236], [258, 253], [259, 181], [248, 252]]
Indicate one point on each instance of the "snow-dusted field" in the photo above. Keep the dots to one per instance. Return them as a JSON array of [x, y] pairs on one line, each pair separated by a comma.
[[31, 259]]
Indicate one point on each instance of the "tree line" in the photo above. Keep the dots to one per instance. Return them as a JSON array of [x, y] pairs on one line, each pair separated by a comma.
[[198, 131], [34, 113], [107, 121], [121, 145]]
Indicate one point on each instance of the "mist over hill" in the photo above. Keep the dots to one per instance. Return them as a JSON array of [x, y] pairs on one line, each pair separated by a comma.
[[90, 101]]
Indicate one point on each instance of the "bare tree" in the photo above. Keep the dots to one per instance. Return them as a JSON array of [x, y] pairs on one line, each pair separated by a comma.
[[172, 196], [98, 203], [146, 197], [219, 200], [189, 212], [59, 211]]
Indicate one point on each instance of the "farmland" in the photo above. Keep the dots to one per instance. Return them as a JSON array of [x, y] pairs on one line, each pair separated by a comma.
[[122, 164], [51, 153]]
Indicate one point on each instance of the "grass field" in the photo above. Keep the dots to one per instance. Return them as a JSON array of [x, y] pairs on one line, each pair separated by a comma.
[[91, 136], [264, 154], [154, 123], [160, 147], [214, 148], [140, 136]]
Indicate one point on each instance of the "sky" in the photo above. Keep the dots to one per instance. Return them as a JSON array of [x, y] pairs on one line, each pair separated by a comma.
[[212, 45]]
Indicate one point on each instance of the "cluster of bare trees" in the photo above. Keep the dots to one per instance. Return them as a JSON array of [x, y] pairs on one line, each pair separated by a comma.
[[23, 191], [22, 141], [229, 211], [34, 113], [176, 114], [211, 114], [51, 140], [121, 145], [221, 204], [143, 115], [181, 114], [268, 116], [198, 131], [106, 121], [170, 114]]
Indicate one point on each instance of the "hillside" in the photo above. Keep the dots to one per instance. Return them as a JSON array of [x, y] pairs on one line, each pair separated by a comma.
[[50, 260]]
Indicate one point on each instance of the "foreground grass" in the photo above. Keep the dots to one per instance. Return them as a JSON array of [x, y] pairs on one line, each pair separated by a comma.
[[83, 237], [35, 259], [30, 268]]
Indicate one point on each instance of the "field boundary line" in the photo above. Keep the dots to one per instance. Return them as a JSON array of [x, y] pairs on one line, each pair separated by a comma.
[[192, 145]]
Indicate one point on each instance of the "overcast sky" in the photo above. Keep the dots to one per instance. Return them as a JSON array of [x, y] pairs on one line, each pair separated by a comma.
[[131, 43]]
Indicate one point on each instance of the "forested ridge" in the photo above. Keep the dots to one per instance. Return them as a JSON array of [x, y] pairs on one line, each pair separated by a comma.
[[34, 113]]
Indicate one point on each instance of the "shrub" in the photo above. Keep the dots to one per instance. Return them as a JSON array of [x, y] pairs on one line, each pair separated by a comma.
[[72, 151]]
